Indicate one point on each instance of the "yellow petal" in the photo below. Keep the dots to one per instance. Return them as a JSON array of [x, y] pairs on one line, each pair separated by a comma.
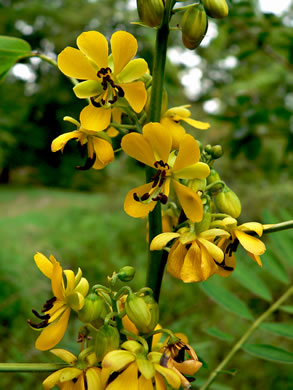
[[188, 367], [230, 261], [82, 286], [95, 46], [70, 373], [135, 94], [213, 250], [70, 278], [51, 335], [80, 384], [93, 378], [252, 226], [75, 64], [250, 243], [188, 153], [198, 170], [104, 152], [171, 377], [132, 71], [57, 281], [208, 266], [65, 355], [160, 383], [176, 131], [56, 311], [117, 360], [52, 379], [160, 241], [75, 301], [256, 258], [159, 139], [124, 48], [136, 146], [135, 208], [190, 202], [212, 233], [191, 268], [145, 384], [176, 259], [145, 367], [128, 379], [95, 118], [197, 124], [60, 142], [87, 89], [44, 264], [180, 112]]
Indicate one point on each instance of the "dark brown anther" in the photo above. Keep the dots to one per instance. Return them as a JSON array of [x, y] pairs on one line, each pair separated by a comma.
[[187, 246], [156, 178], [135, 197], [120, 91], [94, 103], [163, 198], [49, 304], [163, 175], [40, 325], [88, 164], [224, 266], [41, 317], [145, 196], [112, 101]]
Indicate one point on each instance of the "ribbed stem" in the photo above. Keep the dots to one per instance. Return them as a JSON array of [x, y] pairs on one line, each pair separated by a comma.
[[31, 367]]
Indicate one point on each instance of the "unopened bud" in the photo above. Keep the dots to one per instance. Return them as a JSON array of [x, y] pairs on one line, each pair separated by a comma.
[[212, 178], [126, 274], [217, 151], [208, 148], [194, 26], [217, 9], [151, 11], [154, 310], [138, 312], [93, 309], [228, 202], [107, 340], [204, 224]]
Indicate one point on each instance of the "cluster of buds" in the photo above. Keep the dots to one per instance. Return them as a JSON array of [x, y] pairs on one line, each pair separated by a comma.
[[119, 338]]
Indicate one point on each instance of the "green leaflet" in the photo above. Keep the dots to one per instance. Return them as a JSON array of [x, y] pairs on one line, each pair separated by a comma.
[[226, 299], [269, 352], [282, 329], [219, 334], [11, 50]]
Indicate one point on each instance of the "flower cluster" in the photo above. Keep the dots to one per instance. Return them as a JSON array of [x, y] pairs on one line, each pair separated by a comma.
[[116, 328]]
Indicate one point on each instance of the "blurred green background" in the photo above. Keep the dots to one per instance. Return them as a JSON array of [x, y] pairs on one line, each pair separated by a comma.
[[240, 80]]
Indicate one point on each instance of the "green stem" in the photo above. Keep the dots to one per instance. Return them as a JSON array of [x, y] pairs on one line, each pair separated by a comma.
[[31, 367], [157, 261], [242, 340], [279, 226]]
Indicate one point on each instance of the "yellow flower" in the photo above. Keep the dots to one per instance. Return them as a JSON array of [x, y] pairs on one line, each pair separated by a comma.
[[100, 151], [174, 358], [193, 257], [56, 311], [138, 370], [107, 78], [153, 148], [74, 378], [172, 118], [239, 235]]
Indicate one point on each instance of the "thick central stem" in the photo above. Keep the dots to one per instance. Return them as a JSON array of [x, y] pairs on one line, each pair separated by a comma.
[[157, 261]]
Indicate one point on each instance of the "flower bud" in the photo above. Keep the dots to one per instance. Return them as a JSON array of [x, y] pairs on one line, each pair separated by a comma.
[[107, 340], [208, 149], [228, 202], [217, 151], [154, 310], [197, 184], [217, 9], [138, 312], [93, 309], [204, 224], [151, 11], [126, 274], [212, 178], [194, 26]]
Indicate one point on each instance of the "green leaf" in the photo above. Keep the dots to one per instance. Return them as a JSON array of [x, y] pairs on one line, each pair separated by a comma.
[[269, 352], [287, 308], [219, 334], [226, 299], [272, 265], [282, 329], [11, 49], [249, 279]]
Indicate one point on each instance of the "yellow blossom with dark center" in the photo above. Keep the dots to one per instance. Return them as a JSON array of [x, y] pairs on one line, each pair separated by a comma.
[[56, 311], [154, 148], [100, 151], [106, 78]]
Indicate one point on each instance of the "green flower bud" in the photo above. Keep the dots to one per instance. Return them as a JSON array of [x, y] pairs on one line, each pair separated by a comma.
[[197, 184], [126, 274], [212, 178], [204, 224], [208, 148], [107, 340], [217, 151], [93, 309], [217, 9], [194, 26], [138, 312], [154, 310], [228, 202], [151, 11]]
